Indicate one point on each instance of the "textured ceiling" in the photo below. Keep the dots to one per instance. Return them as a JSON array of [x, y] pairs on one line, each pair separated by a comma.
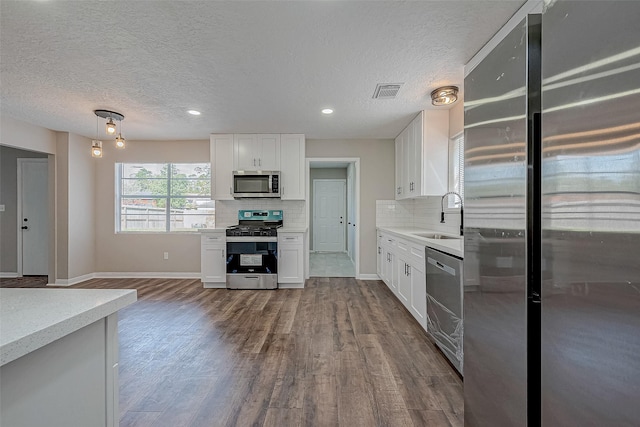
[[248, 66]]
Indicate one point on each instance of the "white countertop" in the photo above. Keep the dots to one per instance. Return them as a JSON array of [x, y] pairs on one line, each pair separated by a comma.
[[33, 318], [451, 246]]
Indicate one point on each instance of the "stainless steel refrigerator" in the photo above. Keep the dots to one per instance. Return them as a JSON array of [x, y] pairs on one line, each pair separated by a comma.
[[552, 221]]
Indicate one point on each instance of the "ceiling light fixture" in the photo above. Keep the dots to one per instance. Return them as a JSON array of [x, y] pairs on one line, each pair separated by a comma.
[[444, 95], [194, 112], [327, 111], [111, 127], [96, 145], [96, 148]]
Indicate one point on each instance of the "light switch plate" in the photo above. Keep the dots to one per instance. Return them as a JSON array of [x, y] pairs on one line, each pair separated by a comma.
[[1, 208]]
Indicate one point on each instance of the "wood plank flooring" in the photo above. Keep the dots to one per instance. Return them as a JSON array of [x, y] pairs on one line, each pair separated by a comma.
[[340, 352]]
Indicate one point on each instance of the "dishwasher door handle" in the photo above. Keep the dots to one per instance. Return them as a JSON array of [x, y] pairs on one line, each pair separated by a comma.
[[441, 266]]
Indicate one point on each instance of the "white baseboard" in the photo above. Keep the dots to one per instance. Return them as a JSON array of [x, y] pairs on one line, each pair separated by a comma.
[[291, 285], [210, 285], [146, 275], [368, 277], [73, 280], [8, 275]]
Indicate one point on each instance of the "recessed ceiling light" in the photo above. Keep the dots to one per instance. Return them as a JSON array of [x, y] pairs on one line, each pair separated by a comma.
[[194, 112], [327, 111]]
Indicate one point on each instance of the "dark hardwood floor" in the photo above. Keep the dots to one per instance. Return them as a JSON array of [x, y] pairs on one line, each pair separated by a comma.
[[340, 352]]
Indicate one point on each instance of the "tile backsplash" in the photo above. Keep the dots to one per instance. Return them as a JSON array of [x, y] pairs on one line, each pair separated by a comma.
[[420, 213], [294, 210]]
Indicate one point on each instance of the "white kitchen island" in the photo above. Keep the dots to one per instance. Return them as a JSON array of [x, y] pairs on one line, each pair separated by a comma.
[[59, 356]]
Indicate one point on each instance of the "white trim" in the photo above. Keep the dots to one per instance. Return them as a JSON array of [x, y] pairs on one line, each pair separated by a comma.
[[146, 275], [368, 277], [291, 285], [531, 6], [356, 162], [73, 281], [8, 275], [214, 285]]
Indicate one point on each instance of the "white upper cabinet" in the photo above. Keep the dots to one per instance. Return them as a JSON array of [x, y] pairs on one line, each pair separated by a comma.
[[250, 152], [221, 153], [422, 156], [256, 152], [292, 167]]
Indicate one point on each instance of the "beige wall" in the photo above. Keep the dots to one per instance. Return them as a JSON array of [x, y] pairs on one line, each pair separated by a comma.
[[139, 252], [81, 207], [323, 173], [24, 135], [75, 206], [9, 198], [377, 176], [456, 119]]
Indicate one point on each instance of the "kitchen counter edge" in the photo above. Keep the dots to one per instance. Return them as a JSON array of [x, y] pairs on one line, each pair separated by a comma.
[[57, 319], [453, 247]]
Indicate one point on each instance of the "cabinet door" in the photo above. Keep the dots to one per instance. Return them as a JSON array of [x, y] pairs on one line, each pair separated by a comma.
[[292, 167], [268, 152], [290, 264], [416, 155], [392, 274], [379, 258], [399, 166], [404, 282], [244, 152], [221, 153], [212, 264], [408, 162], [418, 295], [435, 152]]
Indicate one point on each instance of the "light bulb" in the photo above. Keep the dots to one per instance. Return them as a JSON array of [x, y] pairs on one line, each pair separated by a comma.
[[96, 148], [111, 127], [120, 141]]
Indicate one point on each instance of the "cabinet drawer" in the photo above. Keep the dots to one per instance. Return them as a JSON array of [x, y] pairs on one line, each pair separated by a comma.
[[213, 238], [290, 239]]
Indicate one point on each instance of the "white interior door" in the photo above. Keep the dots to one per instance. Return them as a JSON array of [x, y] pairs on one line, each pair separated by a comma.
[[33, 216], [329, 215]]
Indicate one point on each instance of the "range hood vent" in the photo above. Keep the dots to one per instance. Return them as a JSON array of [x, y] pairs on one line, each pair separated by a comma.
[[386, 90]]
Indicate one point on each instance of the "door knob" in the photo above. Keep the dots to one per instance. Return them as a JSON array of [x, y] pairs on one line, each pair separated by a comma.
[[24, 227]]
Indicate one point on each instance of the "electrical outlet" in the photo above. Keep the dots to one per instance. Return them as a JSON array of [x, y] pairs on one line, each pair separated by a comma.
[[166, 255], [1, 208]]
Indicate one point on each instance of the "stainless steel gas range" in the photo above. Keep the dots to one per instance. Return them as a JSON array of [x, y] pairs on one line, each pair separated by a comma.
[[252, 250]]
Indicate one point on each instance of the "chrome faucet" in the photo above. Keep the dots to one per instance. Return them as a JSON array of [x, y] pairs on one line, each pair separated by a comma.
[[461, 210]]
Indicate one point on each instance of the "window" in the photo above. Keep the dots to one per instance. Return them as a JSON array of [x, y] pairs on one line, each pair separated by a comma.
[[456, 169], [163, 197]]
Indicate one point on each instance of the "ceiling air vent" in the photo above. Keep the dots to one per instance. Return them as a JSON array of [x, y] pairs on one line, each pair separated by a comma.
[[386, 90]]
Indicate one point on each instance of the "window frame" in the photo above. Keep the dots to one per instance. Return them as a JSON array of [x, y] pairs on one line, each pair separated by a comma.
[[168, 197], [456, 170]]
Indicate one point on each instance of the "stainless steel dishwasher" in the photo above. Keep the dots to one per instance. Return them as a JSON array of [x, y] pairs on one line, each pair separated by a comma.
[[444, 303]]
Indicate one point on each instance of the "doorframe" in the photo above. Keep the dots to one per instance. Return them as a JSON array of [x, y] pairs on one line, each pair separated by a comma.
[[344, 219], [21, 161], [356, 163]]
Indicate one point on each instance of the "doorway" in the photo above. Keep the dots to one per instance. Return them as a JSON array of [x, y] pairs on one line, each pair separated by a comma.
[[332, 210], [33, 217], [329, 215]]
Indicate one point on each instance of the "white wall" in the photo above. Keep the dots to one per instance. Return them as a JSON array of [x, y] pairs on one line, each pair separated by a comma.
[[142, 252], [377, 182]]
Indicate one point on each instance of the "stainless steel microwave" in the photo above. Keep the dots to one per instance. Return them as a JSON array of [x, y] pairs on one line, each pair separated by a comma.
[[256, 184]]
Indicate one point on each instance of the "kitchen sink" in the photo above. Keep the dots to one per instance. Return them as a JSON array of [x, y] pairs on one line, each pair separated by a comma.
[[436, 236]]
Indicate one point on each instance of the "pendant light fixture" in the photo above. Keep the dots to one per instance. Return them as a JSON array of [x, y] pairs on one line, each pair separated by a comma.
[[110, 129], [120, 142], [96, 148], [445, 95]]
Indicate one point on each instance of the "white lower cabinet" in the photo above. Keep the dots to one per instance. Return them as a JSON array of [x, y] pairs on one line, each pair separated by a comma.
[[213, 262], [291, 258], [402, 267]]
